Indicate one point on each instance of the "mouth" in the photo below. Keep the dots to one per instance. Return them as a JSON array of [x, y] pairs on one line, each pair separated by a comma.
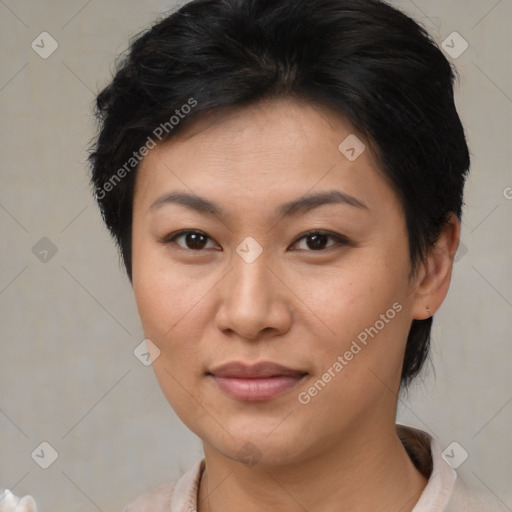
[[259, 382]]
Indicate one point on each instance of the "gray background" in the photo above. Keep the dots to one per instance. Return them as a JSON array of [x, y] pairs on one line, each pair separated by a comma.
[[69, 325]]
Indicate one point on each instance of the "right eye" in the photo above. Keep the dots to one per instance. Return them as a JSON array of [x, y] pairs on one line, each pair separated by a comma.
[[192, 240]]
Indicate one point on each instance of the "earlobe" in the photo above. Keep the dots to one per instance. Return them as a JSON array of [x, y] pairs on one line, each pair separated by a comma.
[[434, 278]]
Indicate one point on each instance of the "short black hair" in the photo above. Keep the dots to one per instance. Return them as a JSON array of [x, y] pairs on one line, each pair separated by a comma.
[[363, 59]]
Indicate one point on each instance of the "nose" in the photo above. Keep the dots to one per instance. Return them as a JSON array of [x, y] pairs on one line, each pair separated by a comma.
[[255, 302]]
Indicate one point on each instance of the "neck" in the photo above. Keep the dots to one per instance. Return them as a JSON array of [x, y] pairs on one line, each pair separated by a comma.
[[370, 471]]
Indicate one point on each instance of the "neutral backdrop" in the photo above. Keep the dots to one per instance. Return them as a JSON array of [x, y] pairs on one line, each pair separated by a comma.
[[69, 326]]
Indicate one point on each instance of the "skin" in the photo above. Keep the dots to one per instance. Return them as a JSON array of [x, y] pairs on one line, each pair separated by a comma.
[[296, 305]]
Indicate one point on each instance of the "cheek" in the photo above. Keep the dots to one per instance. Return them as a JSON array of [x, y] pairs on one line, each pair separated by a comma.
[[168, 307], [172, 303], [362, 309], [161, 292], [353, 297]]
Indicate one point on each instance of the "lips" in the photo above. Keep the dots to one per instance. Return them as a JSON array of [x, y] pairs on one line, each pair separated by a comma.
[[259, 382], [256, 371]]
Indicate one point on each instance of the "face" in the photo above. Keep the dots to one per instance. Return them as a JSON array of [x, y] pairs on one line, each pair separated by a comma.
[[230, 290]]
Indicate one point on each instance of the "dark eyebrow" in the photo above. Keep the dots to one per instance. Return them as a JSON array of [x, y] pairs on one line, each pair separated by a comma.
[[301, 205], [308, 202], [191, 201]]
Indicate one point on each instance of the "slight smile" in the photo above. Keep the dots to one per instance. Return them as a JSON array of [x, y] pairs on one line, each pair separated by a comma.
[[258, 382]]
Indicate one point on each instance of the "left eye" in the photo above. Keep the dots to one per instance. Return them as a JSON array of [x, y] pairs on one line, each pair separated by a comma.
[[317, 240]]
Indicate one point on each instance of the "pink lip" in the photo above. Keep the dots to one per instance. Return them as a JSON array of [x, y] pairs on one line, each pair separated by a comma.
[[259, 382]]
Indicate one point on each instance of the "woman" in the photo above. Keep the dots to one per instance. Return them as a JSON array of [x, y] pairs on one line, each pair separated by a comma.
[[284, 180]]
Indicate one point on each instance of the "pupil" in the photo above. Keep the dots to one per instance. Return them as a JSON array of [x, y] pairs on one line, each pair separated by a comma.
[[192, 241], [319, 241]]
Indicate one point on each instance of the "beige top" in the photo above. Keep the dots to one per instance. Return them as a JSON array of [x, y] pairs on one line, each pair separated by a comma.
[[445, 492]]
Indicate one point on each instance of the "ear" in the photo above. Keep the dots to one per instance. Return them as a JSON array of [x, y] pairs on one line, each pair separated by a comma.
[[434, 276]]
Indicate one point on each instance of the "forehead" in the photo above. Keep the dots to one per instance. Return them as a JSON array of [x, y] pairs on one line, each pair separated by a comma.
[[259, 154]]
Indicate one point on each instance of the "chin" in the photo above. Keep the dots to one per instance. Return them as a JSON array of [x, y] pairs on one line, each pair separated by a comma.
[[256, 442], [259, 450]]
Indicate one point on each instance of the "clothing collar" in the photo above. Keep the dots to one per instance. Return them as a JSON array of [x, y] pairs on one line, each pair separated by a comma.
[[421, 447], [427, 457]]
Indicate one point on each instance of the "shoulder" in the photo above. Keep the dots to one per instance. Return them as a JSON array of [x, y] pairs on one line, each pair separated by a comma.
[[473, 498], [156, 500], [447, 490], [174, 497]]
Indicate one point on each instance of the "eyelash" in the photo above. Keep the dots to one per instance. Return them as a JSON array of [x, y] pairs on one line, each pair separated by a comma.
[[339, 239]]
